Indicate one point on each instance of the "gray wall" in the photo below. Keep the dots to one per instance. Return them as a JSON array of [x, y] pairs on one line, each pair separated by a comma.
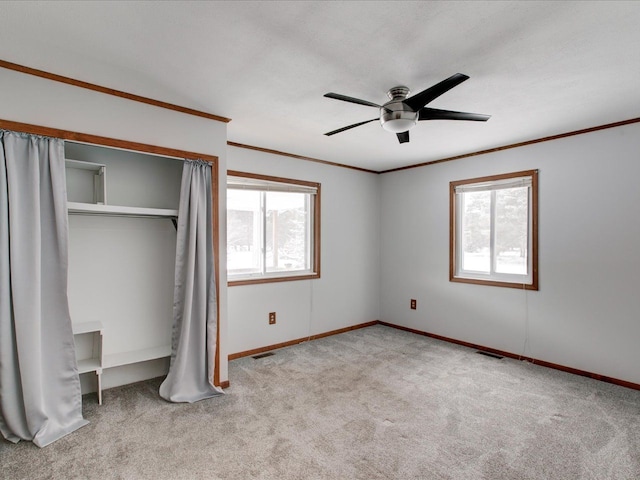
[[385, 238], [347, 292], [585, 314]]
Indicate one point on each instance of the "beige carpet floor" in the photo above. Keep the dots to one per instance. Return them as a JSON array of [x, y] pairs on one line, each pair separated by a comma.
[[376, 403]]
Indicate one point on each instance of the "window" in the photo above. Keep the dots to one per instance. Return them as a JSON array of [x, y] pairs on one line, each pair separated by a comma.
[[273, 229], [494, 230]]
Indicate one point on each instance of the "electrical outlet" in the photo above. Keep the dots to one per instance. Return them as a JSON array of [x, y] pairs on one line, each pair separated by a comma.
[[272, 318], [414, 304]]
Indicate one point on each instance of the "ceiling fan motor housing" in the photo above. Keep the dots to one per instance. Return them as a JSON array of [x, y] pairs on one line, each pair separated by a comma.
[[395, 116]]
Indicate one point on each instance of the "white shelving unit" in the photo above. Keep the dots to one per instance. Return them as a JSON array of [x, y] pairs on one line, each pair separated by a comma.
[[136, 356], [96, 189], [89, 180], [87, 337]]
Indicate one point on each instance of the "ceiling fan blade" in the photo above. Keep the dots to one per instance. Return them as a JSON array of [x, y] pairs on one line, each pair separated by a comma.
[[344, 98], [419, 100], [403, 137], [333, 132], [427, 113]]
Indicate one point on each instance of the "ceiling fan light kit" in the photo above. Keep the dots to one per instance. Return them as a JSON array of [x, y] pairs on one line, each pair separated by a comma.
[[395, 115], [400, 113]]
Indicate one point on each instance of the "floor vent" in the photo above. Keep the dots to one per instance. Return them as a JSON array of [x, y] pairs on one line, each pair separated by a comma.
[[263, 355], [489, 354]]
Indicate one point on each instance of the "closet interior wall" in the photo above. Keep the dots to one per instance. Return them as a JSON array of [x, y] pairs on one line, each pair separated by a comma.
[[121, 269]]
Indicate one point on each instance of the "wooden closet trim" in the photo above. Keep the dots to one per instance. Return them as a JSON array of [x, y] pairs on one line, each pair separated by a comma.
[[104, 141], [109, 91], [155, 150]]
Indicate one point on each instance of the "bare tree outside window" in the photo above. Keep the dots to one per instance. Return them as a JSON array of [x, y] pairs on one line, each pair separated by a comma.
[[286, 232]]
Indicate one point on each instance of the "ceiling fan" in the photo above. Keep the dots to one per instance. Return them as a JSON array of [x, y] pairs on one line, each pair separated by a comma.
[[400, 113]]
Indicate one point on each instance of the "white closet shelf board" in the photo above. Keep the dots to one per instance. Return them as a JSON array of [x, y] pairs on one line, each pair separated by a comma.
[[127, 358], [120, 210], [94, 167], [86, 327], [90, 365]]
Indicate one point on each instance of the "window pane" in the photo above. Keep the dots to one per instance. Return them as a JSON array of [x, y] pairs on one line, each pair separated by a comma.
[[476, 232], [287, 245], [511, 228], [243, 231], [495, 230]]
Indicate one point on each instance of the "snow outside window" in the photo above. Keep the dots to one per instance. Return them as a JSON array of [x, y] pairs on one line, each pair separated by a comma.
[[271, 226]]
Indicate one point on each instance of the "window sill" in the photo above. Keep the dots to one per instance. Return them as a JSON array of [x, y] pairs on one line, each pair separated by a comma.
[[274, 279], [496, 283]]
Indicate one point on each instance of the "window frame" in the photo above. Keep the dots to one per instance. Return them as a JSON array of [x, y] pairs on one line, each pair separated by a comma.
[[533, 234], [315, 237]]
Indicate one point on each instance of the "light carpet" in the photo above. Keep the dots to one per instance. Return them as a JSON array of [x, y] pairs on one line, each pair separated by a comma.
[[375, 403]]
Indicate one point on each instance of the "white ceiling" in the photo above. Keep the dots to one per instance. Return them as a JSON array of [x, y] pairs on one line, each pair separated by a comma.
[[539, 68]]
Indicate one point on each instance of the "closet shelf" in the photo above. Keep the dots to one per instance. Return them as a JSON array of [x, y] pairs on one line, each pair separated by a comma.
[[89, 365], [127, 358], [119, 210]]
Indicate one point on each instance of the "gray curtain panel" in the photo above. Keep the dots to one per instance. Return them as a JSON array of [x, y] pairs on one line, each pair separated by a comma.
[[193, 346], [40, 398]]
